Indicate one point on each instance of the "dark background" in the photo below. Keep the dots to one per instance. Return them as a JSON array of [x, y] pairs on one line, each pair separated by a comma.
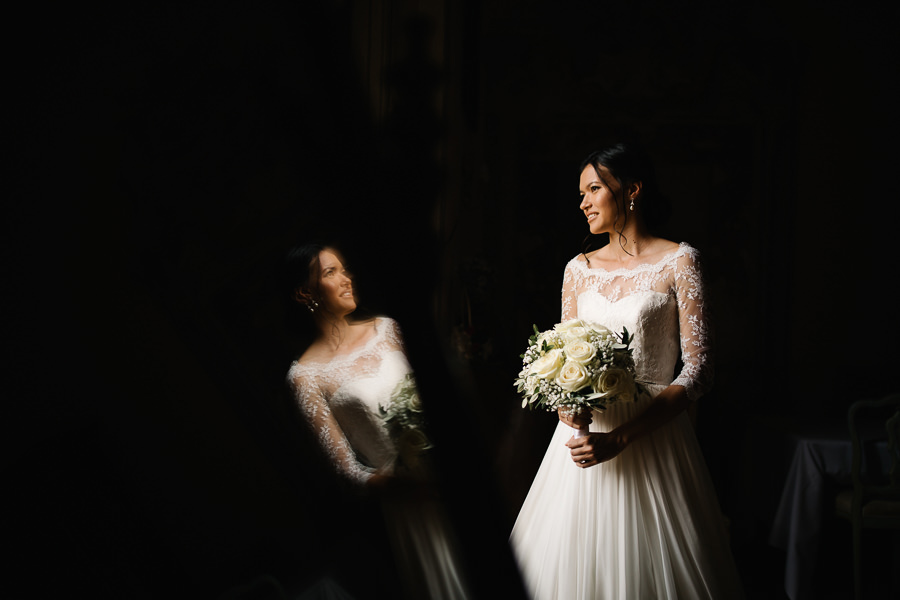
[[162, 160]]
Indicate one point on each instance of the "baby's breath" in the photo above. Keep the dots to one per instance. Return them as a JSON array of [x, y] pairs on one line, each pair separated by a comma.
[[611, 351]]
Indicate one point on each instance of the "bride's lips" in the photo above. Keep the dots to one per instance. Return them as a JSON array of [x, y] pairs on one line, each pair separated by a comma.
[[591, 216]]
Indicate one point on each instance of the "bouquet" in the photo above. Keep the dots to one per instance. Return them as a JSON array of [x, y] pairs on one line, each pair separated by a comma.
[[405, 422], [576, 366]]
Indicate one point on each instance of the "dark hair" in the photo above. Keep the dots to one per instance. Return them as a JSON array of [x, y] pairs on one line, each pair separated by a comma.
[[628, 163], [301, 268]]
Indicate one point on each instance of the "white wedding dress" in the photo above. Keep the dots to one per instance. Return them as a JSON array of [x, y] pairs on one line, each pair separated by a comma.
[[340, 399], [646, 524]]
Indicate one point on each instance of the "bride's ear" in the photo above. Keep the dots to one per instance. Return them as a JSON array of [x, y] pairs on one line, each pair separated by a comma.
[[634, 189], [303, 296]]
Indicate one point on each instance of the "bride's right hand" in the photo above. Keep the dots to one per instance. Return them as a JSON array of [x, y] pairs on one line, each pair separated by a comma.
[[579, 420]]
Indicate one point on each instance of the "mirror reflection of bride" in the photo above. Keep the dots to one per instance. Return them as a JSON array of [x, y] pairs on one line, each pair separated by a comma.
[[343, 383]]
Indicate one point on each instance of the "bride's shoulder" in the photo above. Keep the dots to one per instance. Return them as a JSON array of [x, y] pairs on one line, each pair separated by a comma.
[[686, 259], [302, 371], [383, 323], [684, 251], [578, 258], [584, 258], [388, 329], [577, 266], [315, 353]]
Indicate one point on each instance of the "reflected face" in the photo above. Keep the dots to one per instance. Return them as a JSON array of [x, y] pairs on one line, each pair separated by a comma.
[[598, 201], [335, 286]]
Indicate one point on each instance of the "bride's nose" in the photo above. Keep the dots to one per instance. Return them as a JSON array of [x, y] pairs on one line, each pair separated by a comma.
[[584, 203]]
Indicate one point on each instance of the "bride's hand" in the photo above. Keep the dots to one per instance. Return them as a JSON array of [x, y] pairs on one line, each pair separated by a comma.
[[595, 448], [579, 420]]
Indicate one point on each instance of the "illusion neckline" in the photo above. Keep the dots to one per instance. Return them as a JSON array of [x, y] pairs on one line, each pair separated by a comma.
[[342, 358], [683, 247]]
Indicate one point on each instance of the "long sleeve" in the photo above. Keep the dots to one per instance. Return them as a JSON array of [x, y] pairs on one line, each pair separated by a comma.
[[694, 326], [327, 430], [569, 296]]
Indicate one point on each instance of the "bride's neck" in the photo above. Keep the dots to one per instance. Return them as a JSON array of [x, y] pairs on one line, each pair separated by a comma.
[[334, 331], [629, 244]]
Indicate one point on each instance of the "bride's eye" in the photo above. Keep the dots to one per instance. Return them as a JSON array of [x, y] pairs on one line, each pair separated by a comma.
[[595, 188]]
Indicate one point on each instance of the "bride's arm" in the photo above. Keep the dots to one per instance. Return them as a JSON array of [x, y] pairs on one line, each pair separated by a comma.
[[599, 447], [569, 312], [327, 430], [569, 294], [694, 380]]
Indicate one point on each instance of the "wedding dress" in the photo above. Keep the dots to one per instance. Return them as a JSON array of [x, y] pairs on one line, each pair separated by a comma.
[[340, 399], [646, 524]]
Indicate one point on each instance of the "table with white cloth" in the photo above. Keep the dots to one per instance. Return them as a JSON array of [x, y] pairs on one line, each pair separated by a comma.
[[821, 459]]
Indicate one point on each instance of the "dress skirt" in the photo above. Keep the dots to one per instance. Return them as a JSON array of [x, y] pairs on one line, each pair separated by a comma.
[[644, 525]]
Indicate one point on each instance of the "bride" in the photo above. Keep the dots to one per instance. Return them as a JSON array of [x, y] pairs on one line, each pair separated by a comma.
[[629, 511], [340, 382]]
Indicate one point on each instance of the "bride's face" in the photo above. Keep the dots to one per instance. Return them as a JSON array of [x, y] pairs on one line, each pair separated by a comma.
[[598, 201], [335, 285]]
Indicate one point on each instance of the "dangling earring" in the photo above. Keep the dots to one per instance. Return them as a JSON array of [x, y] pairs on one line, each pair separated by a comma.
[[631, 208], [313, 306]]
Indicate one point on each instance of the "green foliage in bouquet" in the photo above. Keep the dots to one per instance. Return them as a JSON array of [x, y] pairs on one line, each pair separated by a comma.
[[577, 365], [405, 420]]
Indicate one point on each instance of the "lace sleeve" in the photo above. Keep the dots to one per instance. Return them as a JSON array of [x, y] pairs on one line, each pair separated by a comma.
[[694, 325], [393, 335], [569, 297], [329, 434]]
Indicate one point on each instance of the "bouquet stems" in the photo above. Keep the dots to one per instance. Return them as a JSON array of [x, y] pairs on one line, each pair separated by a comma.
[[580, 433]]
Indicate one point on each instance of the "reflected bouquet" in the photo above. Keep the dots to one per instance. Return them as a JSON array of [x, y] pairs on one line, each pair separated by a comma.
[[577, 365], [404, 419]]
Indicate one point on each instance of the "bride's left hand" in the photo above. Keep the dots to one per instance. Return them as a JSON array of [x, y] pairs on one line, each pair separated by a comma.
[[595, 448]]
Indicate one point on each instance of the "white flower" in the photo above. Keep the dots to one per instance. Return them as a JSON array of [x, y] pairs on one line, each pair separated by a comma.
[[573, 377], [530, 385], [600, 330], [548, 365], [573, 330], [580, 351], [549, 336], [615, 383]]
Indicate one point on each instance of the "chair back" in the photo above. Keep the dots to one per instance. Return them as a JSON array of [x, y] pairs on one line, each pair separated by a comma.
[[872, 423], [893, 428]]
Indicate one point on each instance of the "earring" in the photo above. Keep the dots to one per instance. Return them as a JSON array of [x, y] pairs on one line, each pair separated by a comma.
[[312, 307], [631, 208]]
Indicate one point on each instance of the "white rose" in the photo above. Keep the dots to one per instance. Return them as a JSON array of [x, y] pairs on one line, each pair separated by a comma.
[[573, 377], [565, 325], [573, 330], [580, 351], [415, 403], [601, 330], [547, 366], [615, 383]]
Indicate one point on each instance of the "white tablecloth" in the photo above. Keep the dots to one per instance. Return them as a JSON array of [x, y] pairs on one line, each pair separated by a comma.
[[821, 460]]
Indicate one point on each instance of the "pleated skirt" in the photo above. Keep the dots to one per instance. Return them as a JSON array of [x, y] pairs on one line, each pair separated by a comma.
[[644, 525]]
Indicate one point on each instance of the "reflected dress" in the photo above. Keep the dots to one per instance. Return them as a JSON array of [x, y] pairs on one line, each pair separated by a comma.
[[646, 524], [340, 400]]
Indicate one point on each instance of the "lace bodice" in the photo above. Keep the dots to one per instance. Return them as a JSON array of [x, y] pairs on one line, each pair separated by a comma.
[[661, 304], [340, 400]]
